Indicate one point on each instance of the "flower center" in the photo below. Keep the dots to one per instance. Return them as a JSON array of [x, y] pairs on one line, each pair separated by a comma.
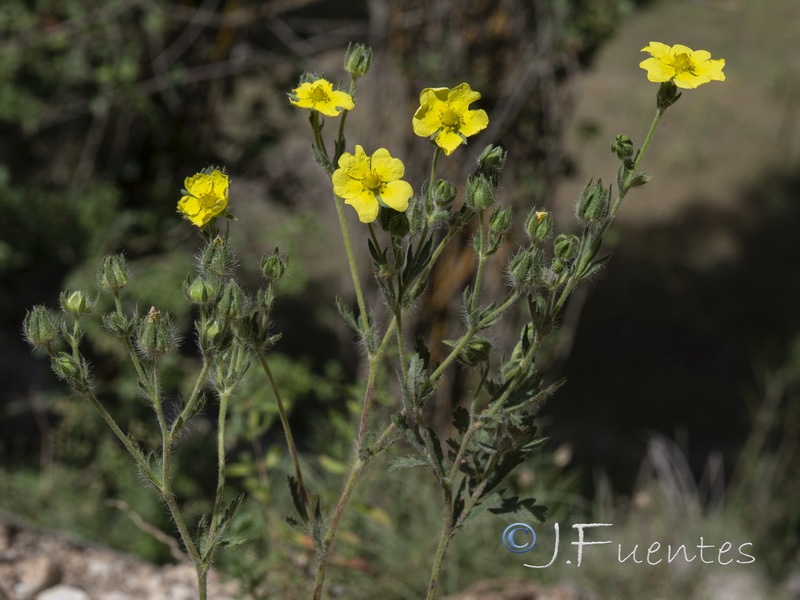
[[450, 118], [683, 63], [318, 94], [372, 181]]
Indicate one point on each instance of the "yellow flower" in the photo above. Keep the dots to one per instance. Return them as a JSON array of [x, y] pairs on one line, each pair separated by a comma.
[[319, 95], [687, 68], [445, 114], [207, 197], [366, 182]]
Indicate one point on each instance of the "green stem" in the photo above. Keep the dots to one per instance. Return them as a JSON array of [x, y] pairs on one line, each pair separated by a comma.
[[362, 307], [287, 430], [374, 361], [481, 263], [441, 550], [223, 413]]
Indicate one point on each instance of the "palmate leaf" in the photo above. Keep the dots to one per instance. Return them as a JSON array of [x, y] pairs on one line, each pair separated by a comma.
[[515, 504]]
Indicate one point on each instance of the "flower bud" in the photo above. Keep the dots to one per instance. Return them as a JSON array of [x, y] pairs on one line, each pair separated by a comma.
[[538, 225], [396, 223], [76, 303], [491, 161], [66, 367], [476, 352], [444, 192], [155, 336], [218, 258], [118, 324], [113, 274], [668, 95], [592, 204], [640, 179], [274, 266], [565, 247], [199, 291], [232, 303], [215, 335], [524, 268], [500, 221], [41, 327], [622, 146], [357, 59], [480, 192]]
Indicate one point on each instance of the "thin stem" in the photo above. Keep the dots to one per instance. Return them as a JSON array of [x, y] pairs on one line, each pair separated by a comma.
[[481, 263], [371, 377], [287, 430], [441, 549], [194, 396], [223, 413], [362, 307]]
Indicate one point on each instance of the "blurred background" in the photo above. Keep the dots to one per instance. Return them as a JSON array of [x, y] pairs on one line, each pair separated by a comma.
[[681, 410]]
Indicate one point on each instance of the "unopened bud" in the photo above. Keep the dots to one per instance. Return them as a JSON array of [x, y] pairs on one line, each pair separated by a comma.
[[500, 221], [76, 303], [592, 204], [491, 161], [565, 247], [357, 60], [640, 179], [480, 192], [199, 291], [118, 324], [156, 336], [444, 192], [476, 351], [668, 95], [273, 266], [232, 303], [41, 327], [218, 258], [66, 367], [622, 146], [538, 225], [112, 275]]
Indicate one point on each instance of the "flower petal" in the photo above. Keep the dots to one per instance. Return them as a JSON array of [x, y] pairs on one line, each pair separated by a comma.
[[433, 95], [197, 185], [425, 121], [657, 71], [711, 69], [462, 96], [345, 186], [396, 195], [474, 121], [658, 50], [689, 81], [681, 49], [355, 165], [387, 168], [366, 206], [448, 141]]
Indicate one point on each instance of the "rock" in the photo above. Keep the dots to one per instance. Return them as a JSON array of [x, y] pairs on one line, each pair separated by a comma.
[[36, 574], [63, 592]]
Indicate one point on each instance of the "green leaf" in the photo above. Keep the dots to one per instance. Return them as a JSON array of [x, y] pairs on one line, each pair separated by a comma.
[[461, 419], [406, 462], [297, 498]]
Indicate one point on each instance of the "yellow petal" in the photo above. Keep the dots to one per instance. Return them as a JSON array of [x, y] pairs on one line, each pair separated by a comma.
[[462, 96], [387, 168], [396, 195], [711, 69], [657, 71], [189, 205], [700, 56], [688, 81], [681, 49], [433, 95], [198, 184], [366, 206], [345, 186], [448, 141], [355, 165], [425, 121], [658, 50], [474, 121]]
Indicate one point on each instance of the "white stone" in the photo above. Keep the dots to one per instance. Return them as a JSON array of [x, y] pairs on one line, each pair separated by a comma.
[[63, 592]]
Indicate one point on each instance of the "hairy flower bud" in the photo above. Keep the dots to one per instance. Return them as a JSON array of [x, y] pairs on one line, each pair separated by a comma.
[[668, 95], [41, 327], [640, 179], [592, 205], [357, 59], [155, 336], [273, 266], [500, 221], [622, 146], [77, 303], [199, 291], [218, 258], [67, 367], [232, 303], [118, 324], [565, 247], [492, 160], [113, 274], [538, 225], [444, 192], [480, 192]]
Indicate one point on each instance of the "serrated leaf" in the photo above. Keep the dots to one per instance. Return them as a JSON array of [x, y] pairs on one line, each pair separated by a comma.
[[461, 419]]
